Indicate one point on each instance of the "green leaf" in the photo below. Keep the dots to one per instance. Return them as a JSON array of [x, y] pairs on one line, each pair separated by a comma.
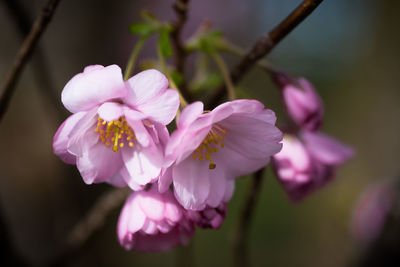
[[177, 77], [143, 29], [164, 42]]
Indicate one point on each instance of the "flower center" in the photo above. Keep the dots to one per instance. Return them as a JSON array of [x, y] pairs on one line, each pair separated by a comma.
[[115, 133], [210, 144]]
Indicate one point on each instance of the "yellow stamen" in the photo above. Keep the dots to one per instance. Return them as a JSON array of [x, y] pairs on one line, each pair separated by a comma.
[[114, 133], [210, 144]]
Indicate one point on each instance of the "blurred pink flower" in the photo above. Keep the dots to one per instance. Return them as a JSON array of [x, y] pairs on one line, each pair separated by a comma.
[[305, 165], [302, 102], [210, 149], [153, 222], [372, 210], [208, 217], [117, 131]]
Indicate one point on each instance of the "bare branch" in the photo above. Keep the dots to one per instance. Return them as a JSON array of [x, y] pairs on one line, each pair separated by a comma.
[[41, 69], [180, 7], [266, 43], [24, 53], [246, 215]]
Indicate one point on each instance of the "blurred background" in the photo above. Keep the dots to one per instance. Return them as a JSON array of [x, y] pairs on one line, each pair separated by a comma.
[[348, 49]]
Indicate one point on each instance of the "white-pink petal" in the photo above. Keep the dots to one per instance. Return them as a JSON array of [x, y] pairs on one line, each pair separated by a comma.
[[93, 87], [161, 108], [110, 111], [144, 86], [60, 140], [191, 183]]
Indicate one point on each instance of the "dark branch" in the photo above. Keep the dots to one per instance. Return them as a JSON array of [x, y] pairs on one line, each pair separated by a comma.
[[245, 218], [180, 7], [41, 69], [24, 53], [266, 43]]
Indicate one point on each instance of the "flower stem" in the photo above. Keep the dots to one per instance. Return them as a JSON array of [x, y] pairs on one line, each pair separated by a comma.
[[164, 68], [225, 74], [132, 59]]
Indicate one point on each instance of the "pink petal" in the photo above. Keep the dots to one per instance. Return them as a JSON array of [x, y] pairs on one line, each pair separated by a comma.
[[110, 111], [191, 183], [136, 217], [142, 165], [326, 149], [60, 140], [149, 227], [161, 108], [294, 151], [129, 181], [182, 144], [249, 144], [190, 114], [93, 87], [141, 133], [117, 180], [229, 189], [98, 163], [173, 211], [217, 186], [152, 205], [267, 116], [165, 180], [144, 86], [247, 106], [83, 135], [163, 227]]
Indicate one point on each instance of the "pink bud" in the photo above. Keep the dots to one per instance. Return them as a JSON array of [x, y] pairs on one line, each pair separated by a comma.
[[153, 222], [303, 103], [303, 166], [209, 217]]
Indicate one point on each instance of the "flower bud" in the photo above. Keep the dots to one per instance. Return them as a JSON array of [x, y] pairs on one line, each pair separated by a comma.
[[153, 222], [302, 102]]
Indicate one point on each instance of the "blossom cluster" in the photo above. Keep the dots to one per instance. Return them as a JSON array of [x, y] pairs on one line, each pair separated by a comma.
[[117, 134], [309, 158]]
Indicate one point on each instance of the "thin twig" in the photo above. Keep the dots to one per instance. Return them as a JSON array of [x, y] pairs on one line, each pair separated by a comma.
[[132, 58], [246, 214], [180, 7], [225, 74], [24, 53], [266, 43], [41, 69]]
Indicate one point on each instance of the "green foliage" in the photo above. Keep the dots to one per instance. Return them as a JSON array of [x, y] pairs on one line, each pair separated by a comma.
[[164, 41], [142, 28], [177, 77], [205, 80], [208, 42]]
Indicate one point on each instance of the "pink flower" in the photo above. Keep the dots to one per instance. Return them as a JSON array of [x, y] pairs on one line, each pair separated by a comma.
[[372, 211], [117, 131], [211, 149], [305, 165], [303, 103], [153, 222], [209, 217]]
